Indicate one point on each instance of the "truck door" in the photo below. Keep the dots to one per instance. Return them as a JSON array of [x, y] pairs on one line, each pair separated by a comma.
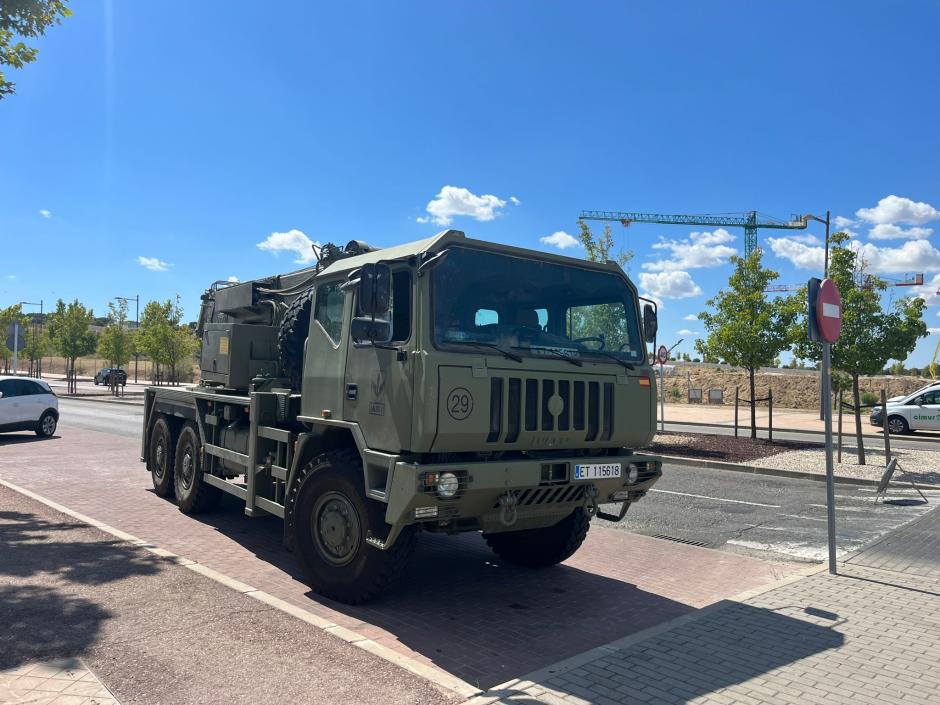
[[379, 381], [926, 413], [325, 352]]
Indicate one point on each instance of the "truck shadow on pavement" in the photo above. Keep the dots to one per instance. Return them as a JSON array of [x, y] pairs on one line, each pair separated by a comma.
[[43, 613], [487, 622], [11, 439]]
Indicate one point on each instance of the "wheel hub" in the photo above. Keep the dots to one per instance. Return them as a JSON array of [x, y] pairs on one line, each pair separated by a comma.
[[159, 464], [48, 425], [187, 469], [336, 528]]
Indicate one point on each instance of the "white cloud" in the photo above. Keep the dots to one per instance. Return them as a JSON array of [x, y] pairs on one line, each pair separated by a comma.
[[798, 254], [11, 276], [292, 241], [233, 279], [912, 256], [843, 223], [889, 231], [690, 317], [702, 249], [454, 200], [670, 285], [515, 201], [933, 331], [154, 264], [560, 239], [928, 291], [895, 209], [806, 239], [45, 213], [686, 331]]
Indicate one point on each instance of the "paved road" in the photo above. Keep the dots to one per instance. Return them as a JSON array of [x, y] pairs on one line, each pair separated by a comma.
[[848, 436], [739, 512]]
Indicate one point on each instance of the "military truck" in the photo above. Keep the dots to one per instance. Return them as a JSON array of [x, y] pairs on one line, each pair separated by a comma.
[[447, 385]]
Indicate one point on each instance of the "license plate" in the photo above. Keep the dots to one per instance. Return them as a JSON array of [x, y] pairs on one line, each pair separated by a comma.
[[598, 471]]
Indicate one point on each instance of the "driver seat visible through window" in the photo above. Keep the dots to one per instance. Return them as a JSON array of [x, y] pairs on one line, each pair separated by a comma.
[[527, 318]]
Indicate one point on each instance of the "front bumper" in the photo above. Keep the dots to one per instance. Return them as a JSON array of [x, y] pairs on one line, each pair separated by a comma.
[[539, 492], [876, 420]]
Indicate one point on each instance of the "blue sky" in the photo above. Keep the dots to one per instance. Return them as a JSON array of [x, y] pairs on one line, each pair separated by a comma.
[[151, 152]]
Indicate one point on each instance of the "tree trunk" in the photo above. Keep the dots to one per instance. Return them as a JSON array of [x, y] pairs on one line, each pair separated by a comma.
[[856, 399], [753, 407]]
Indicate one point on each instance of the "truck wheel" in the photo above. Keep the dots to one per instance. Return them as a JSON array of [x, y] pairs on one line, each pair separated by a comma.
[[332, 518], [291, 336], [160, 457], [538, 548], [193, 493], [898, 425]]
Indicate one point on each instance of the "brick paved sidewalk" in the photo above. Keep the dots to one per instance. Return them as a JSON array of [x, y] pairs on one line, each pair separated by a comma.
[[865, 636], [65, 681]]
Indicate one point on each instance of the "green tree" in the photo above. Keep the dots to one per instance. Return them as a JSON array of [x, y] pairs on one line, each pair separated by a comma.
[[7, 316], [897, 369], [37, 343], [871, 335], [25, 19], [69, 332], [165, 339], [745, 328], [116, 342]]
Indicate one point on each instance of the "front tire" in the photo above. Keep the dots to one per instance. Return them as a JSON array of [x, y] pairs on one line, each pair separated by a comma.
[[160, 458], [332, 519], [46, 425], [194, 495], [540, 548], [898, 425]]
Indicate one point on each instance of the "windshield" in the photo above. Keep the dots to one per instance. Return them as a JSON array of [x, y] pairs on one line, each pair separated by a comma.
[[533, 308]]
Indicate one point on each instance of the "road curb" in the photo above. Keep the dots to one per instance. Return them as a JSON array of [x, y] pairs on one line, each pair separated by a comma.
[[437, 677], [781, 429], [775, 472], [100, 399]]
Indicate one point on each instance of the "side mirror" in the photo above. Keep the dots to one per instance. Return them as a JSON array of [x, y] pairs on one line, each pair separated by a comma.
[[650, 323], [375, 330], [375, 289], [1, 395]]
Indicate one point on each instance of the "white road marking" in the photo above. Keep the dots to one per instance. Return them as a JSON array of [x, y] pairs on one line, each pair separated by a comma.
[[800, 516], [718, 499]]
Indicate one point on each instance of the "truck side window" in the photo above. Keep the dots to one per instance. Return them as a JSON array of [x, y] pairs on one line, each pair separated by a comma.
[[329, 310], [401, 306]]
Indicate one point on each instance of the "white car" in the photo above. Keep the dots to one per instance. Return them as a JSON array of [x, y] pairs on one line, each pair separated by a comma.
[[28, 404], [914, 412]]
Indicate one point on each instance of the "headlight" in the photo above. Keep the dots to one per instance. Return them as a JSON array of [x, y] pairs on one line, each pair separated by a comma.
[[447, 485], [633, 473]]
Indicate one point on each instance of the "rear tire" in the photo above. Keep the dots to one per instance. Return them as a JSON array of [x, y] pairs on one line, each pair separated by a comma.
[[194, 495], [332, 518], [898, 425], [160, 457], [292, 335], [45, 427], [539, 548]]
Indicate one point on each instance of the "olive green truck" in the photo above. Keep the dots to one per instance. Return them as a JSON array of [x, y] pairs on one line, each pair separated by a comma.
[[445, 385]]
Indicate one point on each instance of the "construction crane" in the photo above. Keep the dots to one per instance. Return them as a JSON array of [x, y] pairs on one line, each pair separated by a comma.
[[867, 283], [747, 220]]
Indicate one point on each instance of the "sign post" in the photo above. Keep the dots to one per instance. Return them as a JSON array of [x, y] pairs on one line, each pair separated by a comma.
[[825, 324], [662, 355]]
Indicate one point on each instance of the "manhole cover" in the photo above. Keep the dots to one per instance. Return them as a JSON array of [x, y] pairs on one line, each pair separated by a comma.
[[676, 539]]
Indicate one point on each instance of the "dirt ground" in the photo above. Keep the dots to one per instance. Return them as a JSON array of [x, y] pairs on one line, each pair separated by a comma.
[[793, 389], [724, 448]]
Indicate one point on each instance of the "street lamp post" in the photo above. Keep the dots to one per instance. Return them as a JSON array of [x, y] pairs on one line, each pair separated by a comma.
[[810, 216], [136, 300], [41, 324]]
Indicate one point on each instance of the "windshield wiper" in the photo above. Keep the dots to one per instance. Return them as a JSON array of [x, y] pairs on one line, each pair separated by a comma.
[[493, 346], [613, 357], [553, 352]]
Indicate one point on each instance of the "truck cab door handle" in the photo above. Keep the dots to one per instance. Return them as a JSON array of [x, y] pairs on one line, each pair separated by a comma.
[[352, 391]]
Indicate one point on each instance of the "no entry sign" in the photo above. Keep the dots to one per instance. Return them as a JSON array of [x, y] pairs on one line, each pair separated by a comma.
[[825, 311], [662, 354]]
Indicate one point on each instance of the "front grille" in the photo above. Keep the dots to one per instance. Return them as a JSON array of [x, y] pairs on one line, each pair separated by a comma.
[[547, 495], [520, 405]]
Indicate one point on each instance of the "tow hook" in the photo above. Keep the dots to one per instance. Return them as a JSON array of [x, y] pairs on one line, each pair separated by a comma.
[[507, 509], [590, 500]]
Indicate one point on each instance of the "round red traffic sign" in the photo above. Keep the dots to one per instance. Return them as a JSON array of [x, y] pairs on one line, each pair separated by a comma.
[[829, 311], [662, 354]]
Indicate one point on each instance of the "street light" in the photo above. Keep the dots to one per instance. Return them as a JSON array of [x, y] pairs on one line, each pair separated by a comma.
[[810, 216], [41, 323], [136, 300]]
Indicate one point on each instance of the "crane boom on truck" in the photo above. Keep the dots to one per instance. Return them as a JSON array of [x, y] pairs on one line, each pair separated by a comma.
[[445, 385]]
